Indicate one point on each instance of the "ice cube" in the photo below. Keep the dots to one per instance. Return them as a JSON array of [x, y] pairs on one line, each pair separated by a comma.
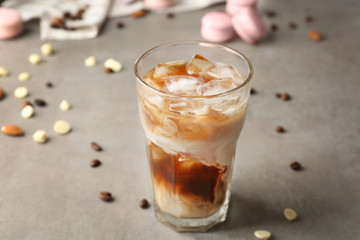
[[199, 64], [216, 86], [226, 71], [186, 85], [163, 69]]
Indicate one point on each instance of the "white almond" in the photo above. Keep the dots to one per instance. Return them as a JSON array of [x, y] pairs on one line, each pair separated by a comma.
[[90, 61], [62, 127], [65, 105], [21, 92], [290, 214], [46, 49], [27, 111], [40, 136], [4, 72], [35, 58], [262, 234], [114, 65], [24, 76]]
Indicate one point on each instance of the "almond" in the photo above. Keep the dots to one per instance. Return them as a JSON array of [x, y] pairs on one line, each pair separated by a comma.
[[315, 36], [12, 130], [1, 93], [138, 14]]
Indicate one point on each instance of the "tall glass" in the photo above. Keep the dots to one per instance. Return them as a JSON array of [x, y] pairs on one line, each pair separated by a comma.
[[191, 140]]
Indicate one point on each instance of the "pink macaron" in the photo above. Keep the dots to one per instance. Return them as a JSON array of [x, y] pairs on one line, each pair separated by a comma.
[[216, 27], [234, 6], [249, 25], [158, 4], [11, 24]]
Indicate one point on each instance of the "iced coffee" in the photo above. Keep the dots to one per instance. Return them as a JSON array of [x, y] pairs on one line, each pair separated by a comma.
[[192, 112]]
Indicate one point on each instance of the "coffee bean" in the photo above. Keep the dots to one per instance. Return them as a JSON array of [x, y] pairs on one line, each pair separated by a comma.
[[120, 25], [278, 95], [170, 15], [108, 70], [40, 102], [105, 196], [285, 96], [252, 91], [25, 103], [274, 27], [295, 166], [270, 13], [96, 146], [2, 93], [144, 204], [95, 163], [49, 84], [280, 129], [67, 15], [309, 19], [292, 25]]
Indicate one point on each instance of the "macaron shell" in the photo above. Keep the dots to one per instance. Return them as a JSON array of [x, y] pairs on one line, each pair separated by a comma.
[[11, 23], [158, 4], [216, 26], [249, 25], [242, 2]]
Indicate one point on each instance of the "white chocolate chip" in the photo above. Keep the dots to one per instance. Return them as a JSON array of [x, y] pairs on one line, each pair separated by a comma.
[[35, 58], [62, 127], [4, 72], [65, 105], [46, 49], [21, 92], [114, 65], [24, 76], [290, 214], [40, 136], [27, 111], [262, 234], [90, 61]]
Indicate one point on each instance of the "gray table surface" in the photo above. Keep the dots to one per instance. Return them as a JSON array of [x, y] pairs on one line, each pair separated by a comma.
[[49, 191]]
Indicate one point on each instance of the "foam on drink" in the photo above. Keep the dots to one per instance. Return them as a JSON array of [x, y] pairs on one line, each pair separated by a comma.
[[191, 141]]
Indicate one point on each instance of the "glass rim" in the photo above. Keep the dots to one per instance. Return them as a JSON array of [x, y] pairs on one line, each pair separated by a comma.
[[239, 54]]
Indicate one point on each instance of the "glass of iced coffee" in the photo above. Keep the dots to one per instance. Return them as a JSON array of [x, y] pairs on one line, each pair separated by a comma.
[[192, 97]]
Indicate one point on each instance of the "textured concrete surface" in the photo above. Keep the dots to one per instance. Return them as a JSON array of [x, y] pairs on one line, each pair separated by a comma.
[[49, 191]]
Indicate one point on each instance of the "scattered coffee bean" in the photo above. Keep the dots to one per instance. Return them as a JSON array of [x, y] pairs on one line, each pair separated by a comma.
[[120, 25], [96, 146], [26, 103], [2, 93], [274, 27], [40, 136], [315, 36], [12, 130], [62, 127], [270, 13], [105, 196], [309, 19], [170, 15], [39, 102], [139, 13], [108, 70], [278, 95], [295, 166], [292, 25], [144, 204], [67, 15], [290, 214], [21, 92], [285, 96], [49, 84], [252, 91], [95, 163], [280, 129], [262, 234]]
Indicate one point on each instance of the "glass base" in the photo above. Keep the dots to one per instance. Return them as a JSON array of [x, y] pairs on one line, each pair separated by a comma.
[[193, 224]]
